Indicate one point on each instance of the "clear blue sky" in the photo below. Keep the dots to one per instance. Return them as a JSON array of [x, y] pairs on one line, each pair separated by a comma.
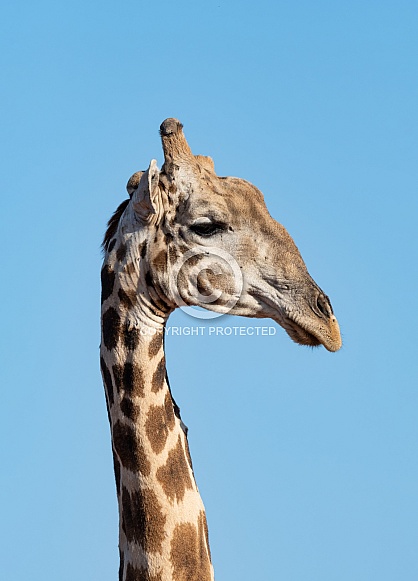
[[307, 461]]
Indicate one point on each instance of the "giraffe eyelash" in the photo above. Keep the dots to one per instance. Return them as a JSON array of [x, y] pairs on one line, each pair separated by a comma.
[[208, 228]]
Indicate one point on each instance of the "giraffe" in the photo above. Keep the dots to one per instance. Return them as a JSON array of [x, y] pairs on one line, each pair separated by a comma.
[[172, 243]]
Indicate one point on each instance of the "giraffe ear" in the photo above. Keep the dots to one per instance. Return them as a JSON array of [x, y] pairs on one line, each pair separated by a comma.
[[144, 197]]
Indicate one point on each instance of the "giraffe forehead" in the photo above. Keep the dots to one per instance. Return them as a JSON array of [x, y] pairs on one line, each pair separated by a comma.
[[231, 200], [200, 205]]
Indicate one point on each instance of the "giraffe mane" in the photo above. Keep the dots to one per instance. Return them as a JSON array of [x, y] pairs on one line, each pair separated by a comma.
[[113, 223]]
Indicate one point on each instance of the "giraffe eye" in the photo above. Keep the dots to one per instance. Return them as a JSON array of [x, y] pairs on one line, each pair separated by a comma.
[[207, 228]]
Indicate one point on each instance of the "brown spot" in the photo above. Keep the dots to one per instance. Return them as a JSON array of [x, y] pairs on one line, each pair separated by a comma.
[[174, 477], [108, 410], [133, 379], [189, 564], [129, 449], [204, 534], [130, 268], [144, 250], [130, 378], [129, 409], [148, 279], [173, 255], [169, 411], [143, 519], [117, 375], [121, 564], [108, 280], [134, 574], [156, 428], [188, 455], [155, 345], [116, 468], [131, 338], [127, 298], [107, 380], [121, 252], [110, 328], [194, 259], [158, 376], [160, 261]]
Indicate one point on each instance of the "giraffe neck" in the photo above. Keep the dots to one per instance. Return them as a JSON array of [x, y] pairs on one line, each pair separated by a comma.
[[162, 521]]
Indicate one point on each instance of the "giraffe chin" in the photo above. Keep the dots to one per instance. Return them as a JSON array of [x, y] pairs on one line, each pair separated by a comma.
[[330, 339], [300, 335]]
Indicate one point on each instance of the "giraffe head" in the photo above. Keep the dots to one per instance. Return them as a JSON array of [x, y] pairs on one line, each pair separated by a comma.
[[211, 242]]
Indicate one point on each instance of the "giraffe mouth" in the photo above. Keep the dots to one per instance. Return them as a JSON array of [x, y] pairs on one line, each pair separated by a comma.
[[299, 334], [325, 332], [311, 330]]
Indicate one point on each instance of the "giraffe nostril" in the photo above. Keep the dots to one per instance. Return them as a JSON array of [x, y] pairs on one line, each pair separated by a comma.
[[323, 306]]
